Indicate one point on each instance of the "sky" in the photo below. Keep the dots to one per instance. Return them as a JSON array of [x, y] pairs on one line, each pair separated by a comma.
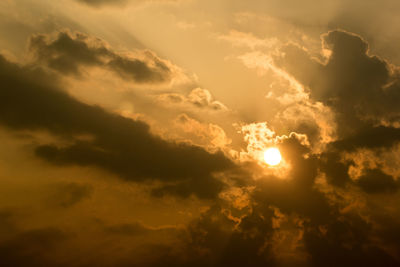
[[139, 132]]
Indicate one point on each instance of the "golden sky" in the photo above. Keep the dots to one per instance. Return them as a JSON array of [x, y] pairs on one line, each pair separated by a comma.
[[199, 133]]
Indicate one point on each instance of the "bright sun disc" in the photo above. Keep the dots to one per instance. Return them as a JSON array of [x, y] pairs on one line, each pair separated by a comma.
[[272, 156]]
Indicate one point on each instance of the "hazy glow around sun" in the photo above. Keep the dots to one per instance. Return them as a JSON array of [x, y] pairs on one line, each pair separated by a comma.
[[272, 156]]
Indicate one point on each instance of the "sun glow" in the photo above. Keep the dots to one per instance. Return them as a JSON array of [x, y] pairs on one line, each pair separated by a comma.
[[272, 156]]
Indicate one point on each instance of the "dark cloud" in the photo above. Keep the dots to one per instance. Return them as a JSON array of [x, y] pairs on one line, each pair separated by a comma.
[[32, 248], [360, 88], [329, 236], [225, 235], [68, 53], [7, 223], [345, 242], [304, 198], [207, 187], [118, 3], [375, 181], [31, 100], [218, 241], [369, 137], [130, 244], [363, 93], [133, 229], [127, 229], [335, 169], [99, 3], [69, 194]]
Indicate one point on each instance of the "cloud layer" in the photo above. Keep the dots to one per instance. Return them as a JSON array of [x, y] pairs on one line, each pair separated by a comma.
[[117, 144], [67, 53], [107, 161]]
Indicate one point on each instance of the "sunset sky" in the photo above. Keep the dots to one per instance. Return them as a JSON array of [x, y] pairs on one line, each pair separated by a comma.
[[200, 133]]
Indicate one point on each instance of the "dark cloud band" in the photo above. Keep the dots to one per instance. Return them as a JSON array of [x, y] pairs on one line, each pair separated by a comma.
[[32, 100]]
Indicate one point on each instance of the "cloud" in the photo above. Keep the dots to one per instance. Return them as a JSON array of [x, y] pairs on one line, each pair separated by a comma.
[[138, 228], [198, 97], [68, 53], [209, 135], [309, 214], [370, 137], [69, 194], [241, 39], [99, 3], [315, 207], [31, 100], [231, 234], [313, 225], [345, 243], [120, 3], [32, 247], [99, 244], [375, 181], [335, 169], [7, 223], [360, 88], [216, 241]]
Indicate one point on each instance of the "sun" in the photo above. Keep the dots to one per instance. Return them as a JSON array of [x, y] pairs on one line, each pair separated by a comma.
[[272, 156]]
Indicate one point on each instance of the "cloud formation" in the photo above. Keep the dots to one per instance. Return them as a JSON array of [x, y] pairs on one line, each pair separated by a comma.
[[360, 88], [66, 195], [99, 3], [198, 97], [293, 220], [67, 53], [193, 189], [117, 144]]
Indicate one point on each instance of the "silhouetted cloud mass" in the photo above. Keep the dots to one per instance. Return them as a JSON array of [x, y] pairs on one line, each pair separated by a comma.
[[119, 145], [67, 52]]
